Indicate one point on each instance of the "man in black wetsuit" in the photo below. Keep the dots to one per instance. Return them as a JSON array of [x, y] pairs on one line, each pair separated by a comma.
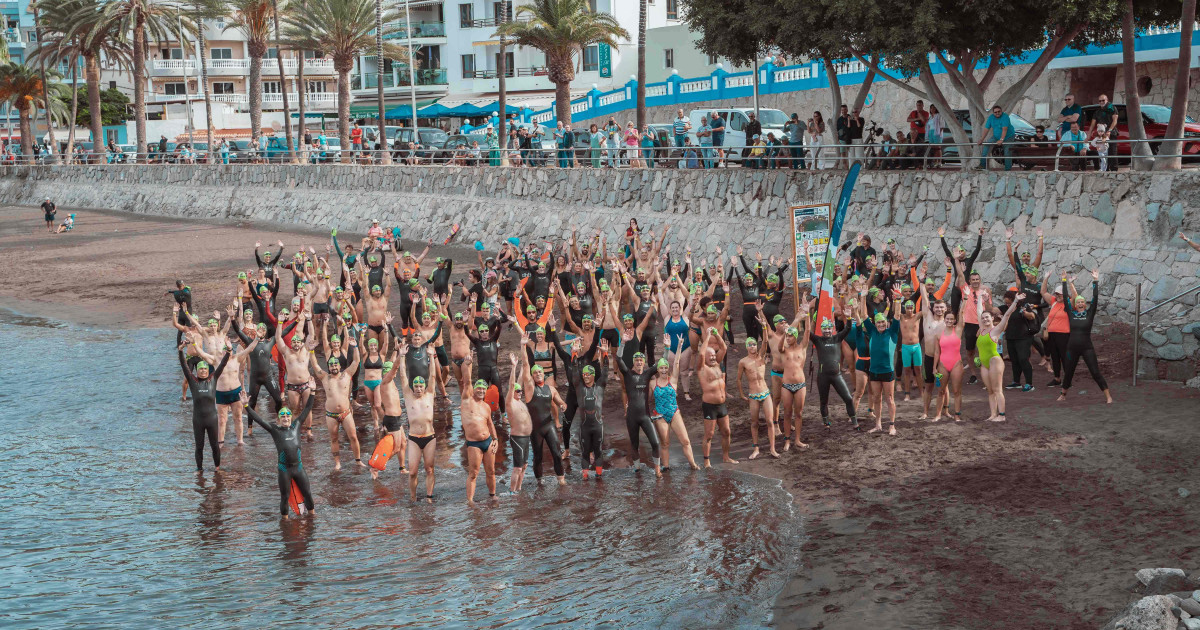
[[637, 414], [590, 394], [440, 278], [828, 348], [541, 399], [486, 341], [266, 261], [260, 361], [183, 297], [968, 262], [286, 435], [204, 403], [573, 364]]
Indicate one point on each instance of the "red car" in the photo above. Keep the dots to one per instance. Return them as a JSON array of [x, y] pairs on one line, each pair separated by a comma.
[[1155, 119]]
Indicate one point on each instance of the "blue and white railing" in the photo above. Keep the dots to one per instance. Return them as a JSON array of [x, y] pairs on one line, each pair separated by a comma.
[[1153, 44]]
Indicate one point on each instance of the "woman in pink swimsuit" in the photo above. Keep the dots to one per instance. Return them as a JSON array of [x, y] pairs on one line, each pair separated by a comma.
[[947, 361]]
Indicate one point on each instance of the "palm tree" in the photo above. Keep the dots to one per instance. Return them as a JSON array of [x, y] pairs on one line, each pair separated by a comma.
[[641, 65], [142, 20], [74, 29], [560, 29], [283, 90], [22, 87], [341, 30], [253, 19], [37, 28], [202, 10]]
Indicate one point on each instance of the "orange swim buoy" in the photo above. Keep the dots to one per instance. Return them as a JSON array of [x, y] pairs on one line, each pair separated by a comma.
[[296, 500], [384, 450], [492, 398]]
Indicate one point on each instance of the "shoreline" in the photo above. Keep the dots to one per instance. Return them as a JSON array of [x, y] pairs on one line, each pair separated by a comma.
[[933, 527]]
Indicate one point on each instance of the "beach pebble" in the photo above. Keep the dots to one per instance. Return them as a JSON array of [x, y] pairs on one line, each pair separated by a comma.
[[1147, 613], [1146, 575], [1183, 493], [1192, 624], [1167, 583], [1196, 595], [1190, 606]]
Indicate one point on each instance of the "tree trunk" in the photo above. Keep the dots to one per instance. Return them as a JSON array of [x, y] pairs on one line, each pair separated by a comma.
[[74, 113], [1142, 158], [641, 67], [301, 93], [24, 117], [283, 90], [1169, 152], [835, 88], [860, 99], [937, 97], [139, 87], [37, 28], [257, 50], [91, 74], [208, 127], [501, 70], [562, 101], [381, 134], [344, 109]]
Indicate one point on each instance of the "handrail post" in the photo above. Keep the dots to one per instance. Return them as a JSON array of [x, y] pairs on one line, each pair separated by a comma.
[[1137, 329]]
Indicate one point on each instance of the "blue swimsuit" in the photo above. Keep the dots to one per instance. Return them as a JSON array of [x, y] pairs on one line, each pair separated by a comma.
[[665, 402], [678, 331]]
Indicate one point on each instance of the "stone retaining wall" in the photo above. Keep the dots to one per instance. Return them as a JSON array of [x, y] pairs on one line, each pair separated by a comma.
[[1122, 223]]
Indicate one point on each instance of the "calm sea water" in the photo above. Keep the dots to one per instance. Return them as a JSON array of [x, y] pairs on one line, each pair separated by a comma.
[[106, 524]]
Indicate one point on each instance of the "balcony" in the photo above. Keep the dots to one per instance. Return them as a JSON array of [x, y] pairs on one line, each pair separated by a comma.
[[491, 22], [236, 67], [425, 77], [232, 99], [509, 73], [13, 38], [312, 101], [420, 30]]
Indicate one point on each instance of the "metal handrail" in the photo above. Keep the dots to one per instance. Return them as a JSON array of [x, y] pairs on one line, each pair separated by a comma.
[[1137, 322]]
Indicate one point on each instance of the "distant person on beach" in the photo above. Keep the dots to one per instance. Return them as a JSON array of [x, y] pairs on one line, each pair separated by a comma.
[[49, 209], [67, 225]]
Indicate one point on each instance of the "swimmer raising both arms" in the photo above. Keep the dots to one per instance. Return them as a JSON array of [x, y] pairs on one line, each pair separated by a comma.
[[480, 434]]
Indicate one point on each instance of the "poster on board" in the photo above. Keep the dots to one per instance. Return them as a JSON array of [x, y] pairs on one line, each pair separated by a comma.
[[810, 226]]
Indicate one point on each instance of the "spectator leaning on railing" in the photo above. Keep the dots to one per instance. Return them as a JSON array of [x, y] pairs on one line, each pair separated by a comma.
[[681, 126], [795, 129], [704, 135], [1070, 113], [1105, 115], [1074, 147], [718, 136], [999, 133]]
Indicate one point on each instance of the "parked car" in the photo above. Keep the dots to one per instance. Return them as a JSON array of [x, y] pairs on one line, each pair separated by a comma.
[[1155, 119], [426, 137], [457, 142], [736, 119]]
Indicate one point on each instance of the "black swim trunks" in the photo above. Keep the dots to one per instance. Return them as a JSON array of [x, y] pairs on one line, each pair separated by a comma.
[[422, 440], [392, 423], [884, 377], [712, 412], [520, 449]]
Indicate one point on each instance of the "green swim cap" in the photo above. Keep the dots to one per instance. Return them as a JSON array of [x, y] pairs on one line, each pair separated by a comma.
[[603, 284], [241, 275], [638, 355], [825, 323], [906, 287], [412, 282], [749, 277], [248, 312], [417, 380], [537, 369], [908, 303], [712, 308], [212, 321], [335, 339], [375, 288], [530, 309], [587, 369], [977, 362], [751, 340], [517, 386], [481, 384], [372, 342], [793, 331], [540, 329], [458, 316], [663, 364], [439, 260], [347, 315], [873, 291], [777, 319], [627, 317], [483, 328], [334, 361], [202, 365], [880, 318], [260, 326], [372, 258], [772, 278], [284, 411], [387, 365], [298, 337]]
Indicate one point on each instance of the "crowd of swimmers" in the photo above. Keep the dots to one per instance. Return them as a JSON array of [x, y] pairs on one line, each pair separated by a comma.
[[382, 328]]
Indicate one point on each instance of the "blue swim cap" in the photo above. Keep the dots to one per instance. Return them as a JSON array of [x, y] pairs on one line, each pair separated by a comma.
[[478, 246]]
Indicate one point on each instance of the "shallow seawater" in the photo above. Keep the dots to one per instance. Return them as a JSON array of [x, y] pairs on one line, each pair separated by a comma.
[[107, 524]]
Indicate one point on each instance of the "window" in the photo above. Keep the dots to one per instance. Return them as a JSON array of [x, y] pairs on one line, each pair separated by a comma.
[[222, 87], [270, 87], [498, 10], [468, 66], [466, 15], [592, 5], [311, 54], [428, 58], [112, 85], [712, 60], [174, 89], [509, 64], [172, 53], [221, 53], [672, 9], [669, 58], [591, 59], [272, 53], [316, 87]]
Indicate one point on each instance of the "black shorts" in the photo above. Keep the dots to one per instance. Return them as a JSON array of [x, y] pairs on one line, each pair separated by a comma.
[[969, 337], [442, 357], [520, 449], [321, 308], [392, 423], [712, 412], [50, 218], [885, 377], [191, 363], [928, 363], [612, 336]]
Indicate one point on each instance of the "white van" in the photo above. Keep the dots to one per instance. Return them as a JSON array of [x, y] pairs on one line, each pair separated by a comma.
[[736, 119]]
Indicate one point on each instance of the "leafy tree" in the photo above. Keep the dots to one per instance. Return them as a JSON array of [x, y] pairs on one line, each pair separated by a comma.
[[113, 108]]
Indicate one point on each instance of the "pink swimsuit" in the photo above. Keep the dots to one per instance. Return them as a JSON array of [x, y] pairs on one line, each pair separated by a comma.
[[950, 345]]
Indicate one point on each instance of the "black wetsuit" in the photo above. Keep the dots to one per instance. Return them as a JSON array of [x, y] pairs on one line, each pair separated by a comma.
[[287, 444], [637, 414], [260, 362], [417, 361], [440, 278], [268, 267], [591, 423], [539, 283], [646, 341], [968, 264], [486, 352], [573, 368], [750, 309], [541, 412], [183, 297], [829, 372], [1079, 343], [204, 408]]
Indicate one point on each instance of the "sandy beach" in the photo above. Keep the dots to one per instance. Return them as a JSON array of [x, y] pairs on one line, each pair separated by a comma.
[[1038, 522]]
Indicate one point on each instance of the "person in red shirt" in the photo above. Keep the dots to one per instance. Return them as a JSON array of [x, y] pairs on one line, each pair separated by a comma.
[[916, 125], [356, 139]]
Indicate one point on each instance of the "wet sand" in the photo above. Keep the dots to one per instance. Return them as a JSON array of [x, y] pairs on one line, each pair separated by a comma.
[[1038, 522]]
